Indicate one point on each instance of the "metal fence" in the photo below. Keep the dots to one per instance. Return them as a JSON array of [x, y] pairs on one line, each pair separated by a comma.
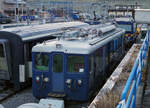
[[128, 97]]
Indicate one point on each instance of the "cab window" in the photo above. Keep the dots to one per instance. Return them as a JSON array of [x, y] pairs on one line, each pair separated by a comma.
[[75, 63], [126, 27], [57, 63], [3, 62], [41, 62], [1, 50]]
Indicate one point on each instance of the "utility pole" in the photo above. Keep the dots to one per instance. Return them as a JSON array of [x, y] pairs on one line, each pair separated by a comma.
[[17, 11], [28, 15], [22, 8]]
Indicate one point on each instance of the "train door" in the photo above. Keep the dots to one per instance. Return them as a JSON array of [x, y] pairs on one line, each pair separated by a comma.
[[28, 58], [5, 66], [57, 72]]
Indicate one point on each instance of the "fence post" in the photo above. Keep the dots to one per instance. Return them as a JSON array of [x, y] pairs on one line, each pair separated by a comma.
[[134, 93]]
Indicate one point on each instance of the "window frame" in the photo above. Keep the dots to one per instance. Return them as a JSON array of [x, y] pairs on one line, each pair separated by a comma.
[[83, 55], [4, 57], [123, 25], [3, 51], [35, 63], [53, 59]]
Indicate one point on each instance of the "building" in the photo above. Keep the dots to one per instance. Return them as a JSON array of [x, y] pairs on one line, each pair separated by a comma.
[[145, 3], [1, 6], [8, 7]]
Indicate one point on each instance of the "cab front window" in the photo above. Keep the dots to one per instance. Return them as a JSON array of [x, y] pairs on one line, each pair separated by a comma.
[[41, 62], [126, 27], [75, 63], [57, 63]]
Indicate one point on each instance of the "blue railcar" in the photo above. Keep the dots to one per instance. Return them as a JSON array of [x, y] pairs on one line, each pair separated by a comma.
[[129, 25], [73, 66]]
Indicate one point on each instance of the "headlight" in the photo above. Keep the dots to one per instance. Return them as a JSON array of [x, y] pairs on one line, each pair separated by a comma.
[[79, 82], [68, 81], [46, 79], [37, 79]]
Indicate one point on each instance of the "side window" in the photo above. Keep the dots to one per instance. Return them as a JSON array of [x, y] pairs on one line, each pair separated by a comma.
[[117, 43], [101, 59], [75, 63], [41, 62], [3, 62], [91, 63], [120, 41], [98, 60], [107, 54], [57, 63], [111, 49], [1, 50]]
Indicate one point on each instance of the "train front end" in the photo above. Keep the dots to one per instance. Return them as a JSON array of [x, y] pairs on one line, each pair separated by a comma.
[[73, 66], [129, 25], [59, 73]]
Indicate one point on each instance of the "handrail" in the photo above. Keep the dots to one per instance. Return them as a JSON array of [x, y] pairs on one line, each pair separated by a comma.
[[128, 100]]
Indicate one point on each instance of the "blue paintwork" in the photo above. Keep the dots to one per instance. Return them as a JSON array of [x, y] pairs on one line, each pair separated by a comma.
[[93, 22], [57, 78], [41, 86], [132, 31], [135, 76], [74, 93], [127, 23], [57, 83], [24, 18]]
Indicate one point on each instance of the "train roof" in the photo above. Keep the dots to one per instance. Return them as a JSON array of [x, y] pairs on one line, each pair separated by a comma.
[[79, 45], [39, 31]]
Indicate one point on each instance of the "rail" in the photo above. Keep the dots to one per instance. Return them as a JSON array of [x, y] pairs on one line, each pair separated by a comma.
[[128, 96]]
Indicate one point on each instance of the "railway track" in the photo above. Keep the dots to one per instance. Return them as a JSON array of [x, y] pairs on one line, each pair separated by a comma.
[[6, 90], [6, 94]]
